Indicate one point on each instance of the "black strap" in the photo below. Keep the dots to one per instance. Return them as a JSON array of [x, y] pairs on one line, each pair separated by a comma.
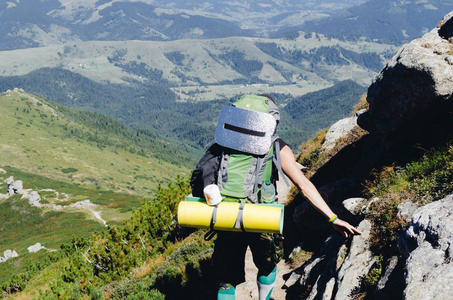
[[243, 130], [240, 217], [211, 233], [213, 217]]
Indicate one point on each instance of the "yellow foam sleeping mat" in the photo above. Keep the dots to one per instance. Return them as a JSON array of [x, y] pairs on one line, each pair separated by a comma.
[[196, 213]]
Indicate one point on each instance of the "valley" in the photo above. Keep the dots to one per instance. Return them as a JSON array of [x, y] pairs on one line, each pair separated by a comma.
[[193, 63], [153, 86]]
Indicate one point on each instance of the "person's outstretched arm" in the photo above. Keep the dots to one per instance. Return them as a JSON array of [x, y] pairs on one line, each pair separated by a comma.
[[309, 191]]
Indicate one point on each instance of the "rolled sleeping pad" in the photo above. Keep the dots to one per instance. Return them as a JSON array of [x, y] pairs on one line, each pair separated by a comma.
[[196, 213]]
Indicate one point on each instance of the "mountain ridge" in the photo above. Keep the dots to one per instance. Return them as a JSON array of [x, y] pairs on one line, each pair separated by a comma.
[[147, 20], [389, 21]]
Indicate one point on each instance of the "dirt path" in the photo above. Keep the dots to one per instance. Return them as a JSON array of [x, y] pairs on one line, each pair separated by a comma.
[[248, 289], [98, 216]]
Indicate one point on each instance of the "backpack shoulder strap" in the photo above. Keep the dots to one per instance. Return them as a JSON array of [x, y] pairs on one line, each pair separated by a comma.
[[278, 163]]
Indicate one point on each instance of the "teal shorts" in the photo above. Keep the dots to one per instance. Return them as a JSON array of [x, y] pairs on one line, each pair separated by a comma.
[[229, 255]]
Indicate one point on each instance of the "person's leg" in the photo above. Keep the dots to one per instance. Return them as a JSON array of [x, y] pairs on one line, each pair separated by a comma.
[[266, 284], [228, 262], [266, 255]]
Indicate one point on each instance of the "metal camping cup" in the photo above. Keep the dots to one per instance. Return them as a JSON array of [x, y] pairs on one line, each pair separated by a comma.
[[212, 194]]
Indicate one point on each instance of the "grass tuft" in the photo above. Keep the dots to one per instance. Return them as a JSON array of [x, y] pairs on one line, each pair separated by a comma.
[[423, 181]]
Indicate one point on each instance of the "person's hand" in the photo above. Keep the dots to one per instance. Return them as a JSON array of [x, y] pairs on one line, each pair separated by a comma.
[[345, 228]]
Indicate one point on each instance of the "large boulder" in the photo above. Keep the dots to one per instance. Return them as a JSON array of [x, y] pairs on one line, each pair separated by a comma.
[[415, 88], [8, 254], [35, 248], [34, 199]]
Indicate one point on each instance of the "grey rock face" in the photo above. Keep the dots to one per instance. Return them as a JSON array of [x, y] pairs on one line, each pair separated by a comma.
[[353, 204], [337, 271], [406, 209], [391, 284], [413, 95], [338, 130], [320, 270], [357, 264], [427, 244]]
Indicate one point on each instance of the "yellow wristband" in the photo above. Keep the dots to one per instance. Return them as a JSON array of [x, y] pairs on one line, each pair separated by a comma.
[[331, 220]]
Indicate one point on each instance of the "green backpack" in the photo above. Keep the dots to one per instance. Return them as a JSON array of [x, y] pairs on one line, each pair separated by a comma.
[[247, 132]]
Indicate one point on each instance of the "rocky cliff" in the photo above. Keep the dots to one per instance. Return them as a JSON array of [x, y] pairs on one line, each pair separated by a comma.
[[410, 110]]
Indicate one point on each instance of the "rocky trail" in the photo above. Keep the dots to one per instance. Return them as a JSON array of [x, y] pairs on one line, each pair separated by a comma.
[[249, 290]]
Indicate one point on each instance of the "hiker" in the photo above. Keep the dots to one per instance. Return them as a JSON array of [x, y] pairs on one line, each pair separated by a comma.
[[230, 246]]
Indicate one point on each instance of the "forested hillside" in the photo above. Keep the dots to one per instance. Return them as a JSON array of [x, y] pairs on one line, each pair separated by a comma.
[[308, 114], [188, 126], [329, 55]]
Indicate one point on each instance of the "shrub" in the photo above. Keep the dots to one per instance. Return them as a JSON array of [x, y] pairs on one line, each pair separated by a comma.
[[69, 170]]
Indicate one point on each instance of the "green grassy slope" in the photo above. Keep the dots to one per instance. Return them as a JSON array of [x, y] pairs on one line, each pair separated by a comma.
[[68, 156], [79, 147]]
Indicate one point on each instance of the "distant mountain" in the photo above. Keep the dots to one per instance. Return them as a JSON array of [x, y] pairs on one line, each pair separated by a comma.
[[261, 16], [386, 21], [33, 23], [29, 24]]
